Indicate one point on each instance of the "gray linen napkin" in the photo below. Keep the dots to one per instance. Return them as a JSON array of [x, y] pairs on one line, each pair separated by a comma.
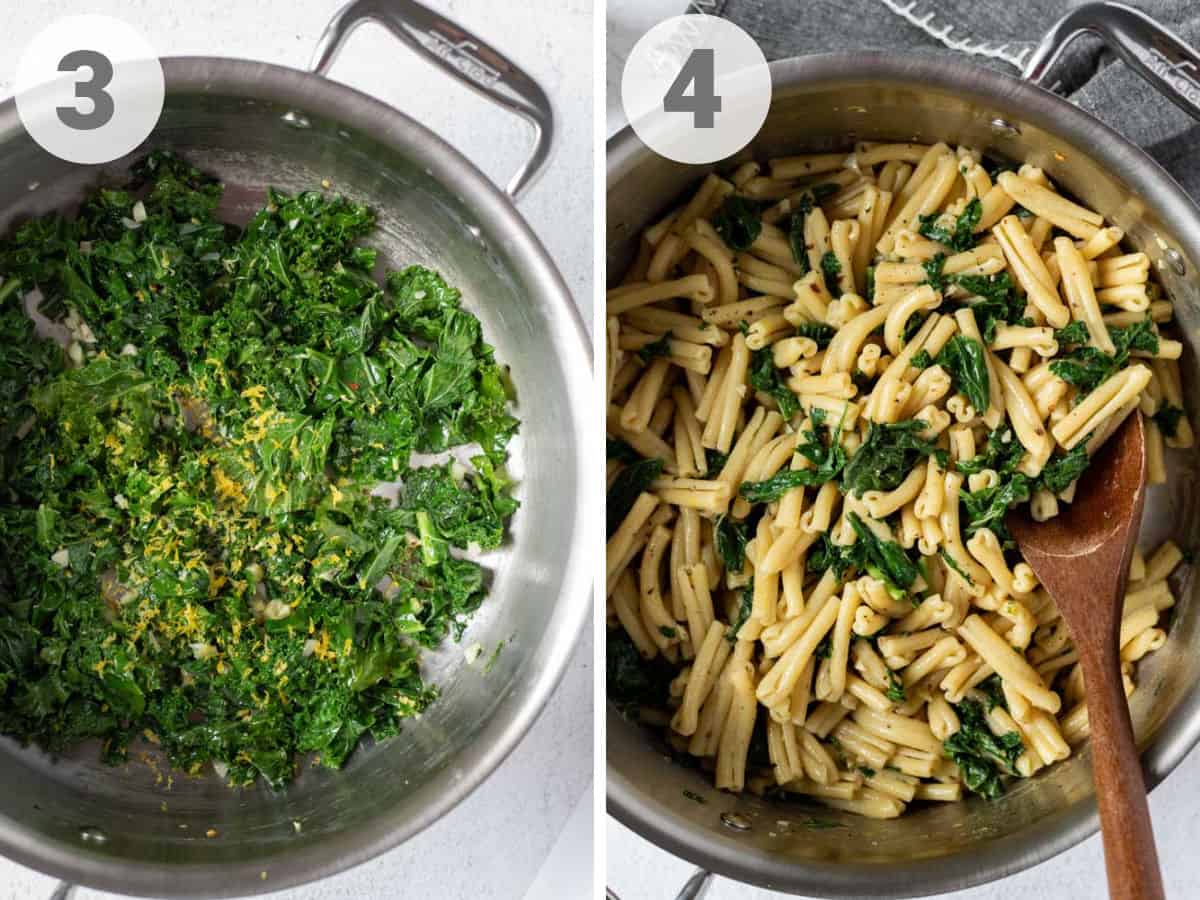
[[1000, 35]]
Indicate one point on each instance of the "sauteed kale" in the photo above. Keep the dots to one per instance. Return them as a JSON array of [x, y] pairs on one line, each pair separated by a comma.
[[190, 548]]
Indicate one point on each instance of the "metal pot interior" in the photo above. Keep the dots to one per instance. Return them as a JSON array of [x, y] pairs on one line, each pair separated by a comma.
[[141, 828], [823, 104]]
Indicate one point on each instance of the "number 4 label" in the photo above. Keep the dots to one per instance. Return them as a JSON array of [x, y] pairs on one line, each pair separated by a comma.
[[699, 71], [707, 69]]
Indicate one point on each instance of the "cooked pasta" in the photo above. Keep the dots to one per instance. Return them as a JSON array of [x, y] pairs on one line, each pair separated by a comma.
[[830, 377]]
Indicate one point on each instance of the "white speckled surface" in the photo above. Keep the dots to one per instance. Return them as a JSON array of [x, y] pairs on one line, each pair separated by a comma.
[[494, 844], [637, 870]]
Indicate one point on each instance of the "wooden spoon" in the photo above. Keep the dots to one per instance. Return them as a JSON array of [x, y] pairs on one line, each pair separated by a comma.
[[1082, 558]]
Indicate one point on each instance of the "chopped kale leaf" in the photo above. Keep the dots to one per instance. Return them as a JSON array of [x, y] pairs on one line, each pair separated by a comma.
[[981, 757], [1087, 367], [738, 222], [795, 228], [1167, 417], [631, 680], [1072, 333], [765, 377], [629, 484], [1002, 453], [962, 236], [993, 693], [841, 558], [655, 349], [730, 537], [745, 607], [886, 560], [818, 332], [887, 456], [998, 302], [822, 449], [190, 545], [715, 460], [954, 564], [1058, 474], [831, 268], [987, 507], [933, 271], [965, 360], [620, 451]]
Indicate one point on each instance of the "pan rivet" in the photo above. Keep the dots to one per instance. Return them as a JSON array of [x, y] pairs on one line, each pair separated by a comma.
[[1175, 258], [296, 120], [1005, 127], [736, 821], [93, 835]]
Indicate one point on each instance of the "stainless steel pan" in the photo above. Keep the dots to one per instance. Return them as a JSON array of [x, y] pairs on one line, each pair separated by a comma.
[[821, 102], [256, 125]]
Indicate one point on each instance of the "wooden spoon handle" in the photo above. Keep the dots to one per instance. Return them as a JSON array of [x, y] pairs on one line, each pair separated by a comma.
[[1129, 853]]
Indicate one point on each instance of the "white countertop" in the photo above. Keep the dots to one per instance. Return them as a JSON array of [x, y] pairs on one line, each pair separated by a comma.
[[637, 870], [497, 841]]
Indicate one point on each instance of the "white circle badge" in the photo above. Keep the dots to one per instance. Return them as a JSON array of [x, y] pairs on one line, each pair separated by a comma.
[[89, 89], [696, 88]]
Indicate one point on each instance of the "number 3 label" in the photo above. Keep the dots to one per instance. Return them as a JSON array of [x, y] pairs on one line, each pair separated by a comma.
[[92, 90], [89, 89], [696, 89]]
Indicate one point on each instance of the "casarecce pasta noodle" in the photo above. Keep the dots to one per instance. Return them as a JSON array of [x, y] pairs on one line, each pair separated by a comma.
[[829, 377]]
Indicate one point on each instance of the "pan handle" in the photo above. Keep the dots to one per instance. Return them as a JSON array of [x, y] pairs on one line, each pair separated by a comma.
[[1164, 60], [458, 53], [695, 888]]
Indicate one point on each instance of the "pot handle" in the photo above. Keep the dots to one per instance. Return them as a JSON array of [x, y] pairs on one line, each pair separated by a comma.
[[1164, 60], [458, 53]]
